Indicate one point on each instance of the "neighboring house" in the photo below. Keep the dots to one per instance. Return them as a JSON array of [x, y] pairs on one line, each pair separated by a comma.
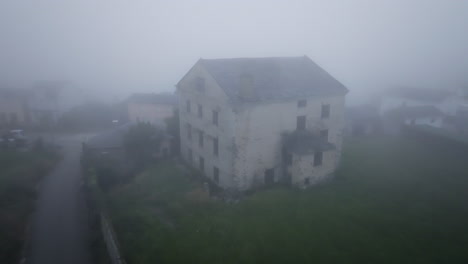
[[43, 103], [421, 115], [151, 108], [457, 124], [238, 119], [39, 106], [109, 145], [411, 116], [362, 120], [462, 95], [444, 100], [14, 112]]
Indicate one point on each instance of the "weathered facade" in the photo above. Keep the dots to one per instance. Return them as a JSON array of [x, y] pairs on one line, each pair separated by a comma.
[[236, 114]]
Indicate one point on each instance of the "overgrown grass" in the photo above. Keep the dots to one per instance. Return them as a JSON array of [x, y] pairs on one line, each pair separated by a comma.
[[393, 201], [20, 172]]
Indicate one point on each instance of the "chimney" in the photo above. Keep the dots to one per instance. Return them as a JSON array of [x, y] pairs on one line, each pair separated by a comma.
[[246, 89]]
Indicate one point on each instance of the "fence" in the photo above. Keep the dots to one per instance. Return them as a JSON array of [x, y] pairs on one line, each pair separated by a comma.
[[110, 240], [99, 219]]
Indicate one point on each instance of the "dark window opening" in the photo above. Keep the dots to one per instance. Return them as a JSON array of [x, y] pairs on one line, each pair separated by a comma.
[[325, 111], [190, 155], [215, 147], [269, 176], [318, 158], [2, 118], [216, 174], [200, 138], [302, 103], [200, 111], [188, 106], [288, 159], [215, 117], [324, 134], [189, 131], [301, 123], [13, 118], [200, 84], [202, 164]]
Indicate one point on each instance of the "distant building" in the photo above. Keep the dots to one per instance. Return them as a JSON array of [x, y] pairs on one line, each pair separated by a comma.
[[462, 96], [14, 111], [457, 124], [43, 103], [444, 100], [420, 115], [248, 122], [151, 108], [109, 145]]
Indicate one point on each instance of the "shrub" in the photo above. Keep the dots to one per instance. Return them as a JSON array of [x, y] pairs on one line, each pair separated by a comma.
[[141, 142], [106, 178]]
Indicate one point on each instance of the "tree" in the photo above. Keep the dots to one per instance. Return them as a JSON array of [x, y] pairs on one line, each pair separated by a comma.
[[172, 128], [89, 116], [141, 142]]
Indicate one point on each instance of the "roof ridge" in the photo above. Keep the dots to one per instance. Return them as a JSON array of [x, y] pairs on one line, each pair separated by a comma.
[[257, 58]]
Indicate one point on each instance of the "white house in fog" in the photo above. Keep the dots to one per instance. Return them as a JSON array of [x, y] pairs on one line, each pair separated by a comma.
[[247, 122], [444, 100], [151, 108], [421, 115]]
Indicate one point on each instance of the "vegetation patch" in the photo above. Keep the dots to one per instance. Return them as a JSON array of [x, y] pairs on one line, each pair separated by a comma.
[[394, 200], [20, 173]]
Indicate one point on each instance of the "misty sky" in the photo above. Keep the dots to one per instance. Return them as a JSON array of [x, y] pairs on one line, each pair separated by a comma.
[[115, 47]]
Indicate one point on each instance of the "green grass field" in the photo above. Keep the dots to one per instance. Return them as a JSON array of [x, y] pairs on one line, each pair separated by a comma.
[[393, 201], [20, 172]]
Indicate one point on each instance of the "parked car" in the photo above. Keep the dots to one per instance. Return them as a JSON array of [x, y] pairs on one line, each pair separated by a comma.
[[13, 138]]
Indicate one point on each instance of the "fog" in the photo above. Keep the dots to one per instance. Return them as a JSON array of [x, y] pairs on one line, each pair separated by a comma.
[[266, 160], [110, 49]]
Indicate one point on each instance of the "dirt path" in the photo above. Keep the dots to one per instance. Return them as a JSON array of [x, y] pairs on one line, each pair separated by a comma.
[[59, 225]]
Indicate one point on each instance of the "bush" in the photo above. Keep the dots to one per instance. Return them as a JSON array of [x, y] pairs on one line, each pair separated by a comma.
[[38, 144], [172, 127], [106, 178], [141, 142]]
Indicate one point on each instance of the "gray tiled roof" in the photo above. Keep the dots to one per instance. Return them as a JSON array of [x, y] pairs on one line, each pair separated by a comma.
[[420, 94], [418, 111], [276, 78]]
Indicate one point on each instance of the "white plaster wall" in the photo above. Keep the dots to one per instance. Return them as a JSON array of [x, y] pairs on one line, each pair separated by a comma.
[[249, 136], [303, 167], [212, 98], [259, 129]]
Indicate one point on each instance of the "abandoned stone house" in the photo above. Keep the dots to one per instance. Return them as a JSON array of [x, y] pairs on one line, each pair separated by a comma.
[[247, 122]]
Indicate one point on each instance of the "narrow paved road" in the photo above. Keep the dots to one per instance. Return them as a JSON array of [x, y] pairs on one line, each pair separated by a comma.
[[59, 225]]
